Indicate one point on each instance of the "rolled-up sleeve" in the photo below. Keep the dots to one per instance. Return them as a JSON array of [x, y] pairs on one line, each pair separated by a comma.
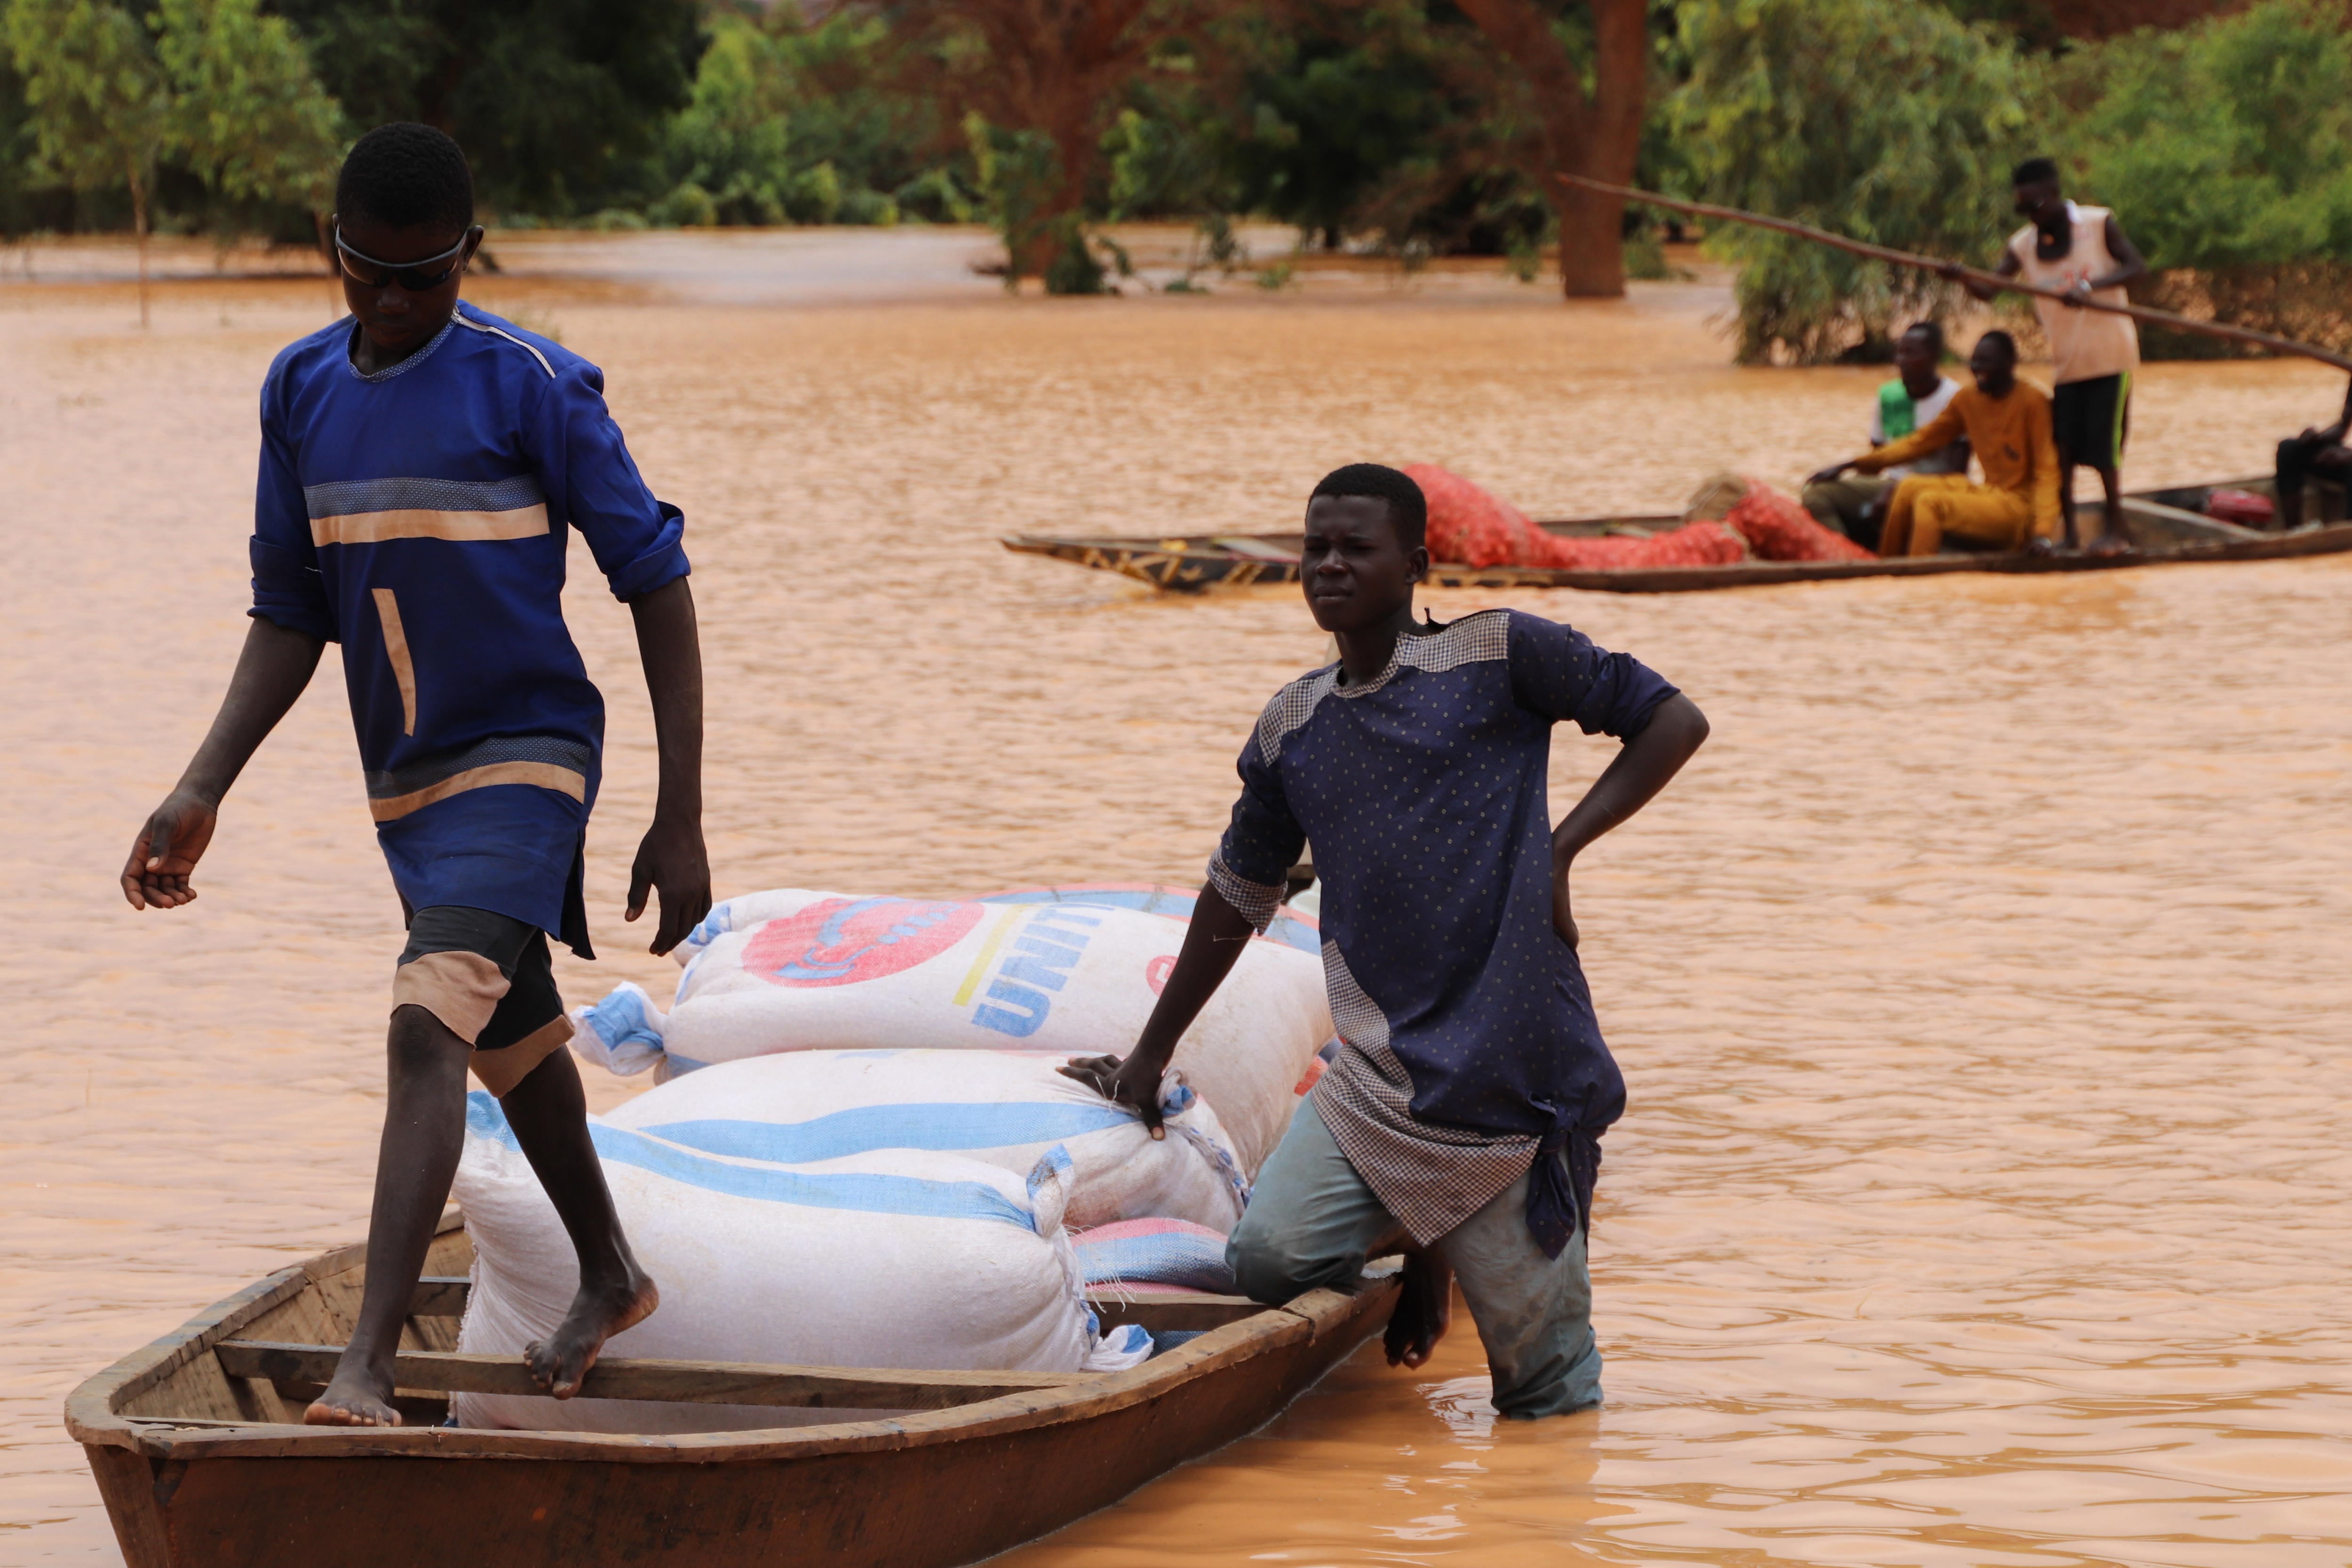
[[1262, 842], [287, 589], [638, 541], [1558, 672]]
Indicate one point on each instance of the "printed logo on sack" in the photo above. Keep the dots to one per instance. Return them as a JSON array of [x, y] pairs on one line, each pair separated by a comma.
[[1037, 965], [840, 942]]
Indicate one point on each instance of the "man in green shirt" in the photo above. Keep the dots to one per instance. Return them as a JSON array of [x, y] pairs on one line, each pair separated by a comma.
[[1855, 504]]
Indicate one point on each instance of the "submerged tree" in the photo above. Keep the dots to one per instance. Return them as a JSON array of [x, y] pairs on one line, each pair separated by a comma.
[[1545, 58], [98, 104], [1044, 78], [1890, 122], [246, 113], [2227, 150], [558, 103]]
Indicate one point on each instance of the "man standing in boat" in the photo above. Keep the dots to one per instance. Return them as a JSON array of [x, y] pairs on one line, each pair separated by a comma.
[[423, 466], [2084, 251], [1461, 1119]]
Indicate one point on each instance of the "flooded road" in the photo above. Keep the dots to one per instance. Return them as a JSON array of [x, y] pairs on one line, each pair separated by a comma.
[[1984, 1197]]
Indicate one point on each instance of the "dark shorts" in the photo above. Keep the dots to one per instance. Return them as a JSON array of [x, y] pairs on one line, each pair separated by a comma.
[[490, 981], [2089, 419]]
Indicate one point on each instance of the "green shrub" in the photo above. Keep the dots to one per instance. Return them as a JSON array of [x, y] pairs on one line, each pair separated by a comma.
[[812, 195], [934, 196], [871, 209], [687, 207]]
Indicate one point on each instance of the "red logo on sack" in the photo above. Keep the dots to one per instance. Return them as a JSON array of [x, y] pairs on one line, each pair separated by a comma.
[[840, 942]]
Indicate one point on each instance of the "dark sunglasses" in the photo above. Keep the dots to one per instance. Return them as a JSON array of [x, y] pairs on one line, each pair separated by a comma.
[[413, 276]]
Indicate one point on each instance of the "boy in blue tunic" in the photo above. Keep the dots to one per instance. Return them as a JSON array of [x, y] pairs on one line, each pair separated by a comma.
[[423, 466], [1461, 1118]]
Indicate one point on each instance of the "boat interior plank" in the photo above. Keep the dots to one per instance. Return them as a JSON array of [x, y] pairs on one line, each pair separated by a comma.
[[715, 1383], [1160, 1314], [439, 1296], [198, 1387]]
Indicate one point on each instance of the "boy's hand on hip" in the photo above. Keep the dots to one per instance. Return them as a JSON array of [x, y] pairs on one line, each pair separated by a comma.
[[1132, 1083], [1563, 920], [672, 862], [166, 852]]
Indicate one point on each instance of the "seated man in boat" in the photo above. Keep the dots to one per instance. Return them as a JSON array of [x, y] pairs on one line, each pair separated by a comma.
[[2317, 454], [423, 466], [1461, 1118], [2006, 422], [1856, 505]]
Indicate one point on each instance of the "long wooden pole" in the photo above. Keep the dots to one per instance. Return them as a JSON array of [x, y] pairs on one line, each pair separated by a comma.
[[1958, 272]]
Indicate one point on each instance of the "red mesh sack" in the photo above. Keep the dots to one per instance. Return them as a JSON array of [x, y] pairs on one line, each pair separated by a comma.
[[1693, 544], [1468, 525], [1778, 528]]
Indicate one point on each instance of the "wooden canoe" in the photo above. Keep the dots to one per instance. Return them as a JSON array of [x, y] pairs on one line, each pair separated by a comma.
[[195, 1443], [2170, 523]]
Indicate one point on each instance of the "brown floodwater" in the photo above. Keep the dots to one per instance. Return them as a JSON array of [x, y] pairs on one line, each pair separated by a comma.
[[1983, 1199]]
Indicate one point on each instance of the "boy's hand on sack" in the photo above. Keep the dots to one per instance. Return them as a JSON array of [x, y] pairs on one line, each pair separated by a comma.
[[1122, 1083], [168, 848]]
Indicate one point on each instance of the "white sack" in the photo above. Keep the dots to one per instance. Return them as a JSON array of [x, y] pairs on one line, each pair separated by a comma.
[[794, 970], [1008, 1109], [909, 1259]]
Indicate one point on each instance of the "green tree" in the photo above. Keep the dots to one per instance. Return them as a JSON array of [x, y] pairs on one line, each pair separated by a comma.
[[248, 114], [560, 104], [1882, 119], [731, 142], [2227, 151], [97, 104], [2228, 144]]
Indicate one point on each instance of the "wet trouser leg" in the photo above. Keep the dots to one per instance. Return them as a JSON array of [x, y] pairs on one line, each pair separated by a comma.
[[1313, 1221], [1534, 1313]]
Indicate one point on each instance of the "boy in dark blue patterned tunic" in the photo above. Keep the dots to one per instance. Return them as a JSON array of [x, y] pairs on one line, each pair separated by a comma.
[[1462, 1116]]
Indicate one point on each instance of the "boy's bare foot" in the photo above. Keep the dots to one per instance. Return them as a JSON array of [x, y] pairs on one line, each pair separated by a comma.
[[560, 1363], [1423, 1310], [351, 1401]]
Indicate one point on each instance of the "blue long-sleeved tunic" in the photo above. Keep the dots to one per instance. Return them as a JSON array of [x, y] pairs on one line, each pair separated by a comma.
[[419, 516]]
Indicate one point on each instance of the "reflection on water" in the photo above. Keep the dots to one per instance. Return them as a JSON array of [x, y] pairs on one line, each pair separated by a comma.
[[1982, 1199]]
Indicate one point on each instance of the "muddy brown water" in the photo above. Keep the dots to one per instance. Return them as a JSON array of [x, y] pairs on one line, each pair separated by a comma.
[[1983, 1198]]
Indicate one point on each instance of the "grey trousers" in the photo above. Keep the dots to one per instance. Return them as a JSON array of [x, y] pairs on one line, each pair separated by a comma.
[[1838, 504], [1313, 1221]]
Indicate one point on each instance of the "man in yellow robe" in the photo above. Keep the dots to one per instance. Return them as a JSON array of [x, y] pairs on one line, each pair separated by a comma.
[[2006, 422]]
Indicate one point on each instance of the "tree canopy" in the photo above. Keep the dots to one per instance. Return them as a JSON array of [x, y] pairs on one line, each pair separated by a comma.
[[1403, 127]]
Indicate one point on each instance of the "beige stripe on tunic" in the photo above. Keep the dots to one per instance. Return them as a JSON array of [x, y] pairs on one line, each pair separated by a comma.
[[546, 775], [375, 527], [395, 649]]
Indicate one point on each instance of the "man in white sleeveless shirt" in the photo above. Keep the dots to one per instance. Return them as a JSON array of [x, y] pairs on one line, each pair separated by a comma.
[[2093, 353]]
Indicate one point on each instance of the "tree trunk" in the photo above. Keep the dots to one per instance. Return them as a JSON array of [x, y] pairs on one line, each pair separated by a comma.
[[1592, 243], [1599, 136], [1607, 146], [139, 226]]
